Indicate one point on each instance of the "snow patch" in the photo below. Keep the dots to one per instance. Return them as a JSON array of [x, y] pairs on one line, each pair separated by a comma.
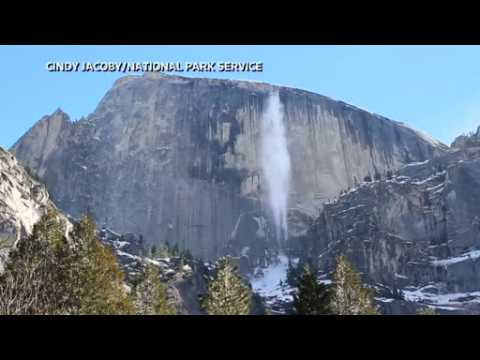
[[417, 163], [385, 300], [472, 255], [422, 295], [430, 178], [268, 284]]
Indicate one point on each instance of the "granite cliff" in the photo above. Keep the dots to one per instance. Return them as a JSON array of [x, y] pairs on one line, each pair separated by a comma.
[[414, 233], [177, 160], [23, 200]]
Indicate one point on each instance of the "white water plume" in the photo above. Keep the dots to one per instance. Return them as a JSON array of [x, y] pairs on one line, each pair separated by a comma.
[[275, 161]]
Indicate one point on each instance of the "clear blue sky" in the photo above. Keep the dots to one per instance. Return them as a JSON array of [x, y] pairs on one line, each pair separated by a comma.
[[431, 88]]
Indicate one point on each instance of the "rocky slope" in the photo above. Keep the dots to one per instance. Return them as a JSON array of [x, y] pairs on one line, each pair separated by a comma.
[[415, 234], [184, 276], [177, 159], [23, 201]]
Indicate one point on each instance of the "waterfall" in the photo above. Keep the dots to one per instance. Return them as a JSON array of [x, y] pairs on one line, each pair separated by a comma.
[[275, 161]]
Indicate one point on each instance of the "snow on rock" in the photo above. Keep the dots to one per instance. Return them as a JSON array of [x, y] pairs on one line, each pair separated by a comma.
[[269, 283], [384, 299], [430, 178], [417, 163], [428, 295], [471, 255]]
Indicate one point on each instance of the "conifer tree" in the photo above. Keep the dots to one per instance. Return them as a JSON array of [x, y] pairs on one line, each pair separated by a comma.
[[35, 280], [349, 296], [312, 297], [164, 251], [226, 292], [176, 250], [100, 288], [153, 251], [4, 244], [151, 294], [49, 274], [426, 311]]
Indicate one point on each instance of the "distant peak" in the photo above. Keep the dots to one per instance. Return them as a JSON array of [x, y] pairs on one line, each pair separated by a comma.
[[60, 112]]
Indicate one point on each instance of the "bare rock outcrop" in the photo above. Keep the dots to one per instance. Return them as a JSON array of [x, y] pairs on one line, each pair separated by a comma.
[[23, 201], [414, 234]]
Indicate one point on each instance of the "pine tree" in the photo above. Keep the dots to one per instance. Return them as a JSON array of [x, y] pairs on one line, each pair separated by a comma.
[[35, 280], [292, 276], [176, 250], [50, 274], [349, 296], [100, 288], [153, 251], [151, 294], [164, 252], [187, 255], [312, 297], [226, 292], [5, 244], [426, 311]]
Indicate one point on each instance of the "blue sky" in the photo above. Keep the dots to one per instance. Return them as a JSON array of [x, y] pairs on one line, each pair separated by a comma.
[[431, 88]]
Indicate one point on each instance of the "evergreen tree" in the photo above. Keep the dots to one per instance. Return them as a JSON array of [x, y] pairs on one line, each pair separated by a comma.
[[5, 244], [291, 274], [312, 297], [187, 255], [426, 311], [100, 287], [35, 280], [226, 292], [176, 250], [164, 251], [153, 251], [349, 296], [49, 274], [151, 294]]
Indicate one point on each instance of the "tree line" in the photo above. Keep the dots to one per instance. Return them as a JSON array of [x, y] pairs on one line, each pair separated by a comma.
[[54, 273], [50, 273]]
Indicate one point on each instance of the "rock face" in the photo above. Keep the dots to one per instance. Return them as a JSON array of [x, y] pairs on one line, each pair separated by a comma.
[[414, 234], [177, 159], [23, 201]]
